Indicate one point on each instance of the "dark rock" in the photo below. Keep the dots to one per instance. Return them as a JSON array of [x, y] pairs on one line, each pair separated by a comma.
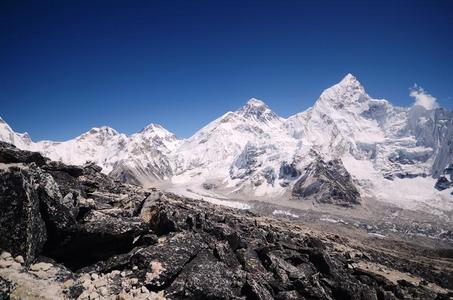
[[209, 186], [253, 290], [99, 236], [163, 262], [22, 229], [10, 154], [443, 183], [6, 287], [53, 166], [288, 171], [327, 182], [206, 278]]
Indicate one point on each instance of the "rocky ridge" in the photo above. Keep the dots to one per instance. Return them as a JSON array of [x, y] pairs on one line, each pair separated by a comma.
[[71, 232]]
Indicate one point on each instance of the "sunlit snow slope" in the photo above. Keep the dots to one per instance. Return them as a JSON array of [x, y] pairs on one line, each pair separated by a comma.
[[389, 153]]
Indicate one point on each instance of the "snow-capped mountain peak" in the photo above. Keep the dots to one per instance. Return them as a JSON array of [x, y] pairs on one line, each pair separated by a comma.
[[103, 130], [156, 130], [348, 91], [256, 110], [157, 135], [349, 80]]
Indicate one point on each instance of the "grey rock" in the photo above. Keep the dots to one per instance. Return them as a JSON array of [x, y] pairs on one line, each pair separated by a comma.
[[22, 229], [327, 182]]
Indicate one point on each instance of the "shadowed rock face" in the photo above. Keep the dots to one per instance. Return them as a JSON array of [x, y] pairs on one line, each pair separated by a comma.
[[22, 229], [125, 242], [327, 182], [10, 154]]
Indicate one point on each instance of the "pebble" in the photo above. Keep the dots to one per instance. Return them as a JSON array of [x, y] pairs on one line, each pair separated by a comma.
[[94, 295], [5, 255], [19, 259], [68, 283], [5, 264], [41, 266]]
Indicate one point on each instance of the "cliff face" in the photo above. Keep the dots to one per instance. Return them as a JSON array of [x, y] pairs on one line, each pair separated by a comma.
[[72, 232]]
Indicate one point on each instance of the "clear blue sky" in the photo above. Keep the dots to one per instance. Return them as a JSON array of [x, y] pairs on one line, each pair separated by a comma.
[[67, 66]]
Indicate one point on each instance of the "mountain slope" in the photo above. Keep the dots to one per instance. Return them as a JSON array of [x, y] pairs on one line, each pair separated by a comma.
[[392, 154]]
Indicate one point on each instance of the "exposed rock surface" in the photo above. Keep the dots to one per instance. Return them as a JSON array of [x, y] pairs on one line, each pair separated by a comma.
[[327, 182], [94, 238]]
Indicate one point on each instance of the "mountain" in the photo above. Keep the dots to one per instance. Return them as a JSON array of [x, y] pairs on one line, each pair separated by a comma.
[[400, 155], [140, 158]]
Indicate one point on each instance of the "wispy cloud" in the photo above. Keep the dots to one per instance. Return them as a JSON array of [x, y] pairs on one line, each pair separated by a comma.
[[423, 98]]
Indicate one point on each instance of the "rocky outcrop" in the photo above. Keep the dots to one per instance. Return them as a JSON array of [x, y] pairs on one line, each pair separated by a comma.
[[100, 239], [22, 229], [10, 154], [326, 182]]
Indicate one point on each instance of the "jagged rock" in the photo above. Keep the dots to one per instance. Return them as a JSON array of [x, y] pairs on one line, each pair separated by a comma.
[[443, 183], [22, 229], [288, 171], [10, 154], [53, 166], [327, 182], [126, 243], [164, 261], [206, 278]]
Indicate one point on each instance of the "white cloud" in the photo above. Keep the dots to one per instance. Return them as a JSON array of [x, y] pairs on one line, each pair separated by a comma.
[[422, 97]]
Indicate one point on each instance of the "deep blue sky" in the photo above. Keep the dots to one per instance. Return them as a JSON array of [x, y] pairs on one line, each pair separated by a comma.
[[67, 66]]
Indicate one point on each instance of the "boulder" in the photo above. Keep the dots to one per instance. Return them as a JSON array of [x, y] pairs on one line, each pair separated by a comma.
[[10, 154], [22, 228]]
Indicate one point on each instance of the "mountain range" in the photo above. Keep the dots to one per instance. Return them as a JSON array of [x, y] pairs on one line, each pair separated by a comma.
[[346, 149]]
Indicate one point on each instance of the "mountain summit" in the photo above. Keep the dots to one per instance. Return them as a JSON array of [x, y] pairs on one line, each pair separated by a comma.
[[258, 111], [386, 153]]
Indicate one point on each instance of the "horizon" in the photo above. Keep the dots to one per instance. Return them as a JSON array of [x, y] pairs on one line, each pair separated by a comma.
[[421, 97], [68, 67]]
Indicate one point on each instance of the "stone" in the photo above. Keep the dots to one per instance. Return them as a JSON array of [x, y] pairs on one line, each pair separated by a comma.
[[19, 259], [5, 264], [68, 283], [5, 255], [41, 266], [10, 154], [22, 228]]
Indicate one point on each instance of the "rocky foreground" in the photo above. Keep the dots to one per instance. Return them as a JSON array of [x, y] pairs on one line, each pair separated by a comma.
[[69, 232]]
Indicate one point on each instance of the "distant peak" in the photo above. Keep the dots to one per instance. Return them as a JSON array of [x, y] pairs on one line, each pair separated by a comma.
[[257, 110], [252, 106], [349, 79], [103, 129], [152, 127], [348, 91], [255, 102]]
